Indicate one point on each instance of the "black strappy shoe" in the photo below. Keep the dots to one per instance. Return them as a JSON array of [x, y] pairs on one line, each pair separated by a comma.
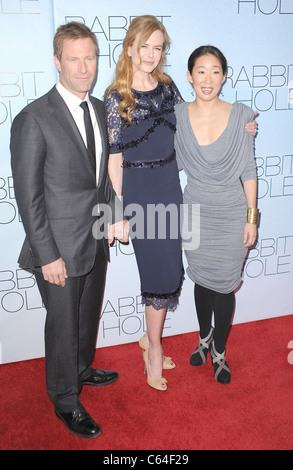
[[199, 356], [221, 369]]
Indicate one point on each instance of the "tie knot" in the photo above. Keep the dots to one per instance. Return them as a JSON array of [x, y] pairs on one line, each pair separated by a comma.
[[84, 106]]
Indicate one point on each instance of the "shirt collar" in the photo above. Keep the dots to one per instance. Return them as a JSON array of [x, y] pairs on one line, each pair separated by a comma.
[[70, 99]]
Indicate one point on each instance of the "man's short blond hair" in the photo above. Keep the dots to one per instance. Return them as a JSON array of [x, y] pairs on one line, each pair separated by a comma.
[[72, 30]]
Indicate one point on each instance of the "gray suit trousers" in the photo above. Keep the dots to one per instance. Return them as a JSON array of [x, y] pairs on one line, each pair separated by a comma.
[[71, 329]]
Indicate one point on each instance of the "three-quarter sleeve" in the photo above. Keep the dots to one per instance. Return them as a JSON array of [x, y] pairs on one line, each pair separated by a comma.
[[176, 93], [249, 172], [114, 122]]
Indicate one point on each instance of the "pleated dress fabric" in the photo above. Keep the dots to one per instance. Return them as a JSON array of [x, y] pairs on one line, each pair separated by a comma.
[[214, 189]]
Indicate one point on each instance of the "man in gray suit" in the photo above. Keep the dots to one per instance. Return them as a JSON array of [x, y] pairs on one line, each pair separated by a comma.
[[60, 175]]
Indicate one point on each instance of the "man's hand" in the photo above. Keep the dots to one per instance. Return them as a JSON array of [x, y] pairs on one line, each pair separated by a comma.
[[120, 230], [55, 272], [251, 126]]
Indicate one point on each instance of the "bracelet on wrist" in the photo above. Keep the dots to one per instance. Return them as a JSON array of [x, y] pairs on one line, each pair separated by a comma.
[[252, 215]]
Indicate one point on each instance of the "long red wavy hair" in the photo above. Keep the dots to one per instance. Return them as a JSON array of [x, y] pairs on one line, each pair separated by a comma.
[[144, 25]]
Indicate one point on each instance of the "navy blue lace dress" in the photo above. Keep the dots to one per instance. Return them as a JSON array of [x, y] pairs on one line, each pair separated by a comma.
[[151, 189]]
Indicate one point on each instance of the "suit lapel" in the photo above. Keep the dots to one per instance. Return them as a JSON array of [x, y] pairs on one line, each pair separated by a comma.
[[63, 116]]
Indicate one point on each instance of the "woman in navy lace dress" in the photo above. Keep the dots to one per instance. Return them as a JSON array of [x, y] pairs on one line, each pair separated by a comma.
[[142, 166]]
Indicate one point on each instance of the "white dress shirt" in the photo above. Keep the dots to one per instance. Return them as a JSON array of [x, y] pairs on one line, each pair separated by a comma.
[[73, 103]]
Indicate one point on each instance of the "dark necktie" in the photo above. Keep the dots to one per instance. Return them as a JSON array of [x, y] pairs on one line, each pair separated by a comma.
[[90, 136]]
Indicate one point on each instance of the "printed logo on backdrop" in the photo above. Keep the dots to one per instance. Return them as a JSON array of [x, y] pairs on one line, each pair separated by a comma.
[[272, 256], [110, 32], [125, 317], [18, 291], [263, 87], [267, 88], [275, 176], [8, 207], [265, 7], [122, 316], [17, 89], [17, 85]]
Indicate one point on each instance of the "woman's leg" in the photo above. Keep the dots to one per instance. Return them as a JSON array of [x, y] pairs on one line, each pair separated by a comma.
[[204, 303], [223, 311], [155, 321]]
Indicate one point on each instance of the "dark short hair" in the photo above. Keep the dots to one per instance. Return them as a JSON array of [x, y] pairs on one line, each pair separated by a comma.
[[72, 30], [203, 50]]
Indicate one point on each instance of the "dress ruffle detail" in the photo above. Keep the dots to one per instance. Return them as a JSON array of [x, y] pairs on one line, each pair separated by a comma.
[[150, 163], [167, 300], [145, 137]]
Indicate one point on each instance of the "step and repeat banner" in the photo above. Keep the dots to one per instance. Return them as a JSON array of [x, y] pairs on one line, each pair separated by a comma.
[[257, 38]]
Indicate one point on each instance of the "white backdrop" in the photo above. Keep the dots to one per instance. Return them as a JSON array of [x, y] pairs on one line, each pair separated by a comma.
[[257, 38]]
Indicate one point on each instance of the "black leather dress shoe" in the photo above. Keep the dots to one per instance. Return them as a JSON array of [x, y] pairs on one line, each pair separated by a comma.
[[99, 378], [79, 423]]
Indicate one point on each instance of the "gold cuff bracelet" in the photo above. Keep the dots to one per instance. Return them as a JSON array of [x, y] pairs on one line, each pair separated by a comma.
[[252, 216]]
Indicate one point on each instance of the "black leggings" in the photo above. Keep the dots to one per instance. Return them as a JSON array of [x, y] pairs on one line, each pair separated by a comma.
[[208, 301]]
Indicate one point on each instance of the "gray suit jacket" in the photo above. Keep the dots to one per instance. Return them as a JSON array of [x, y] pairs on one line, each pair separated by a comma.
[[55, 184]]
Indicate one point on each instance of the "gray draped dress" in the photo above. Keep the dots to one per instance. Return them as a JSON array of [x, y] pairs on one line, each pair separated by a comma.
[[214, 189]]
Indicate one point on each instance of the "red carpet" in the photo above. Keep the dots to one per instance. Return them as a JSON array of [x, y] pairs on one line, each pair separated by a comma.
[[254, 412]]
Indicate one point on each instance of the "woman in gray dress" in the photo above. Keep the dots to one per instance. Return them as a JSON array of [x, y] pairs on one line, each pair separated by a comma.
[[217, 155]]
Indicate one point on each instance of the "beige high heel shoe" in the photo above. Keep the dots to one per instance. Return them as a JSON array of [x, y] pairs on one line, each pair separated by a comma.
[[157, 384], [168, 364]]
